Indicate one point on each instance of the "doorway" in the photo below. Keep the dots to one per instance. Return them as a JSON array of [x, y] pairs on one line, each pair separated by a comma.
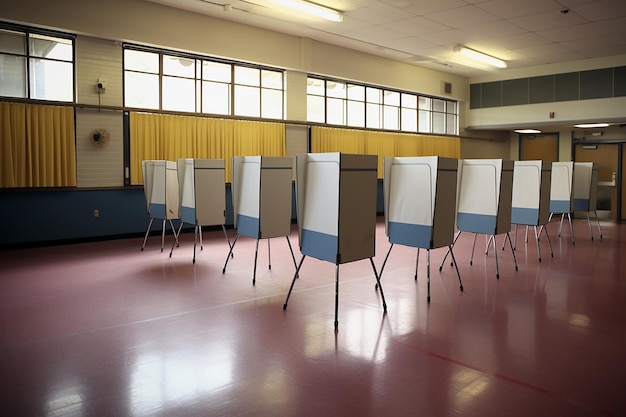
[[543, 147]]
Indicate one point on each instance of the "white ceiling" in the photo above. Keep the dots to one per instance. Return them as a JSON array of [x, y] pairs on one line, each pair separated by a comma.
[[424, 32]]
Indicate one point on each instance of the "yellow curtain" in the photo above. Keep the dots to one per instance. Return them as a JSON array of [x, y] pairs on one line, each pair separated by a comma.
[[328, 139], [38, 146], [156, 136], [383, 144]]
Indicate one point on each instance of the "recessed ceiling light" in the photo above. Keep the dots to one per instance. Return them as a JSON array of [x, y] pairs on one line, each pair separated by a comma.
[[591, 125], [527, 131]]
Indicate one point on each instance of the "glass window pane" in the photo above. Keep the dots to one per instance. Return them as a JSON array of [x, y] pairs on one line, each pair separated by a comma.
[[392, 98], [51, 47], [373, 95], [272, 79], [183, 67], [272, 104], [439, 123], [425, 103], [215, 98], [372, 115], [216, 71], [335, 111], [247, 76], [356, 113], [356, 92], [439, 105], [451, 107], [391, 117], [315, 86], [335, 89], [315, 109], [409, 101], [409, 120], [51, 80], [12, 42], [451, 124], [424, 121], [141, 61], [141, 90], [12, 76], [179, 94], [247, 101]]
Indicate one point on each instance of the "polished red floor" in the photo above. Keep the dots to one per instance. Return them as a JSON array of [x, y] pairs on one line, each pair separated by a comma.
[[103, 329]]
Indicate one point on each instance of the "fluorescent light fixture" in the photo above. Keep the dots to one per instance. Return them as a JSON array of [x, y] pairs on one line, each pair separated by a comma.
[[310, 8], [480, 57], [527, 131], [591, 125]]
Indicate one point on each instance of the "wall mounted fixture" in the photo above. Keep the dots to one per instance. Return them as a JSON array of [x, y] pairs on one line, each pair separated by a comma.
[[527, 131], [308, 8], [480, 57]]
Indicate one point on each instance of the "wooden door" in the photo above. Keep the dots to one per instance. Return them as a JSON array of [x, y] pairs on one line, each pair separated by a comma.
[[539, 147], [606, 156]]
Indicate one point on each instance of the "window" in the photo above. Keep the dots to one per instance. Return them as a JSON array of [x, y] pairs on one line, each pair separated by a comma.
[[161, 80], [342, 103], [36, 65]]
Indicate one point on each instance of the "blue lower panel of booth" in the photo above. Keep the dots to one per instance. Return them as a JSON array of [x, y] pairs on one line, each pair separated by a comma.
[[581, 204], [476, 223], [527, 216], [319, 245], [157, 211], [414, 235], [188, 215], [560, 206], [248, 226]]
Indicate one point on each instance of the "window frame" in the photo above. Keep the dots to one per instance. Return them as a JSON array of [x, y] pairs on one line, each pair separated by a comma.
[[379, 109], [233, 87], [28, 32]]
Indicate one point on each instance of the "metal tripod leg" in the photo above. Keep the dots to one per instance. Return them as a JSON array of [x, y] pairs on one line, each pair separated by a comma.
[[227, 239], [457, 268], [496, 255], [598, 223], [293, 281], [230, 253], [513, 252], [382, 294], [473, 245], [175, 242], [256, 254], [196, 231], [538, 247], [545, 230], [427, 273], [561, 223], [571, 229], [417, 261], [458, 233], [163, 233], [147, 233], [291, 250], [589, 224], [382, 268]]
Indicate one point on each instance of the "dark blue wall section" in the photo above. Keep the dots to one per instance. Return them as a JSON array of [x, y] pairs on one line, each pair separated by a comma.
[[38, 217]]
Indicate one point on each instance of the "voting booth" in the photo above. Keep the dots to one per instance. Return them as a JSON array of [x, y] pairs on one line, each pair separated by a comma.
[[160, 184], [484, 201], [336, 199], [261, 189], [420, 202], [585, 191], [531, 198], [202, 195], [561, 193]]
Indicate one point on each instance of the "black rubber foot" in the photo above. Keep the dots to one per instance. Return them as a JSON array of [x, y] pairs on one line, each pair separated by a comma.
[[516, 268], [142, 249], [194, 261], [470, 263], [270, 267], [224, 271], [376, 287], [428, 299], [539, 259], [461, 287], [415, 277], [285, 306], [170, 255], [497, 276], [161, 250], [440, 268]]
